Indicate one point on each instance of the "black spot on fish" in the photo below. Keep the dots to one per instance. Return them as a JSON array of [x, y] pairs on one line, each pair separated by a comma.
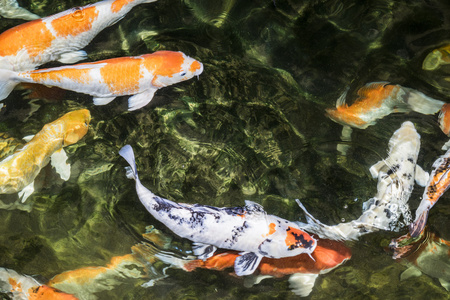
[[393, 169], [300, 241], [236, 233], [388, 213], [411, 160]]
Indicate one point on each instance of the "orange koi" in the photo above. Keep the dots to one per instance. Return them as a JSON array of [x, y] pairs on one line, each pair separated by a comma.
[[60, 36], [444, 119], [140, 76], [438, 183], [26, 287], [18, 171], [379, 99]]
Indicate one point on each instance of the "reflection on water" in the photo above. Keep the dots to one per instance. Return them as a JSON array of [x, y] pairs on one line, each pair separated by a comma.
[[252, 127]]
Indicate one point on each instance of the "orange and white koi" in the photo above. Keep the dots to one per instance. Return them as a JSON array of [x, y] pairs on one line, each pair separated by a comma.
[[444, 119], [438, 183], [428, 254], [140, 76], [18, 171], [25, 287], [248, 229], [396, 177], [60, 36], [379, 99], [302, 270], [11, 9]]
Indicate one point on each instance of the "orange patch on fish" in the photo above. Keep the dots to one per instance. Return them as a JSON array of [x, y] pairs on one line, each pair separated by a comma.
[[127, 80], [17, 286], [14, 39], [77, 74], [444, 119], [117, 5], [75, 23], [195, 66], [44, 292], [271, 230], [165, 63]]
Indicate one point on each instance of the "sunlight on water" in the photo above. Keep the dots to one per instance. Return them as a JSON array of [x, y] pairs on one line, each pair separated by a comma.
[[251, 127]]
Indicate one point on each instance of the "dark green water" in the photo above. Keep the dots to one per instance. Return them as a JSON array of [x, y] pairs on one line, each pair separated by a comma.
[[252, 127]]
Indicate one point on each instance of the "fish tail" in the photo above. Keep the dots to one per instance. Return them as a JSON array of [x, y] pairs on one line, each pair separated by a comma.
[[8, 81], [423, 104], [127, 153], [416, 228]]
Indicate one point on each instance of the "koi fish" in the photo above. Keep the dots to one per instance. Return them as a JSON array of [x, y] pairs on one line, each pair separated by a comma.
[[427, 254], [11, 9], [18, 171], [26, 287], [396, 176], [302, 270], [444, 119], [379, 99], [247, 229], [438, 183], [436, 58], [140, 76], [61, 36]]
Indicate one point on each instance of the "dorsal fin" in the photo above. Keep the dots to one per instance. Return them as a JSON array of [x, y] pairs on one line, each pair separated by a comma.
[[340, 102], [253, 207]]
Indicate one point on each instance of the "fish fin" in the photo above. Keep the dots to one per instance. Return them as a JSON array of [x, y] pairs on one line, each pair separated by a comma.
[[8, 81], [416, 228], [72, 57], [26, 192], [375, 169], [59, 162], [247, 263], [445, 284], [103, 100], [253, 207], [203, 251], [410, 272], [250, 281], [421, 176], [340, 102], [302, 284], [423, 104], [28, 138], [127, 153], [12, 10], [140, 100], [5, 64], [446, 146]]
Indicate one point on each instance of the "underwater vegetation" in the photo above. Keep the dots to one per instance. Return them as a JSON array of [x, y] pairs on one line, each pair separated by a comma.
[[252, 126]]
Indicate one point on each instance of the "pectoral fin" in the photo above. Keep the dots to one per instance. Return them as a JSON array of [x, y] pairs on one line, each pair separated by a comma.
[[102, 100], [72, 57], [445, 284], [203, 251], [59, 162], [247, 263], [140, 100], [302, 284], [375, 169], [28, 138], [410, 272], [26, 192], [421, 176]]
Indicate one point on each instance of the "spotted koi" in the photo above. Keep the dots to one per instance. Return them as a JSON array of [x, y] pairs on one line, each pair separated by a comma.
[[438, 183], [140, 76], [60, 36], [247, 229]]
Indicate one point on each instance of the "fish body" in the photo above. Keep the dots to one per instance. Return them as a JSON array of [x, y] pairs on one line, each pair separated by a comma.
[[140, 76], [379, 99], [18, 171], [444, 119], [396, 177], [438, 183], [247, 229], [428, 253], [60, 36], [27, 288]]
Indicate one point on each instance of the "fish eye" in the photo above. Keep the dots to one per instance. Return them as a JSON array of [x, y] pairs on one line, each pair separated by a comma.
[[182, 74]]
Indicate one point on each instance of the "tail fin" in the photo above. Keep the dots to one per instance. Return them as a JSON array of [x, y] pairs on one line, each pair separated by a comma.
[[127, 153], [7, 82], [416, 228], [423, 104]]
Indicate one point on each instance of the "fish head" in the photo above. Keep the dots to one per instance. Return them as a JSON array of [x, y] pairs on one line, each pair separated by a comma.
[[171, 67], [289, 241], [76, 124]]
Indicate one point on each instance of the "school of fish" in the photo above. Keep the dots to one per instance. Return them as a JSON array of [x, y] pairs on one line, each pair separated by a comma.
[[257, 245]]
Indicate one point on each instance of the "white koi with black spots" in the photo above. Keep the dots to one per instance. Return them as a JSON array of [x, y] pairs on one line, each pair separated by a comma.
[[248, 229], [396, 176]]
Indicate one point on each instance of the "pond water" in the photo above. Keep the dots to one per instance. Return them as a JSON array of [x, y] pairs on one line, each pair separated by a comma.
[[252, 127]]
